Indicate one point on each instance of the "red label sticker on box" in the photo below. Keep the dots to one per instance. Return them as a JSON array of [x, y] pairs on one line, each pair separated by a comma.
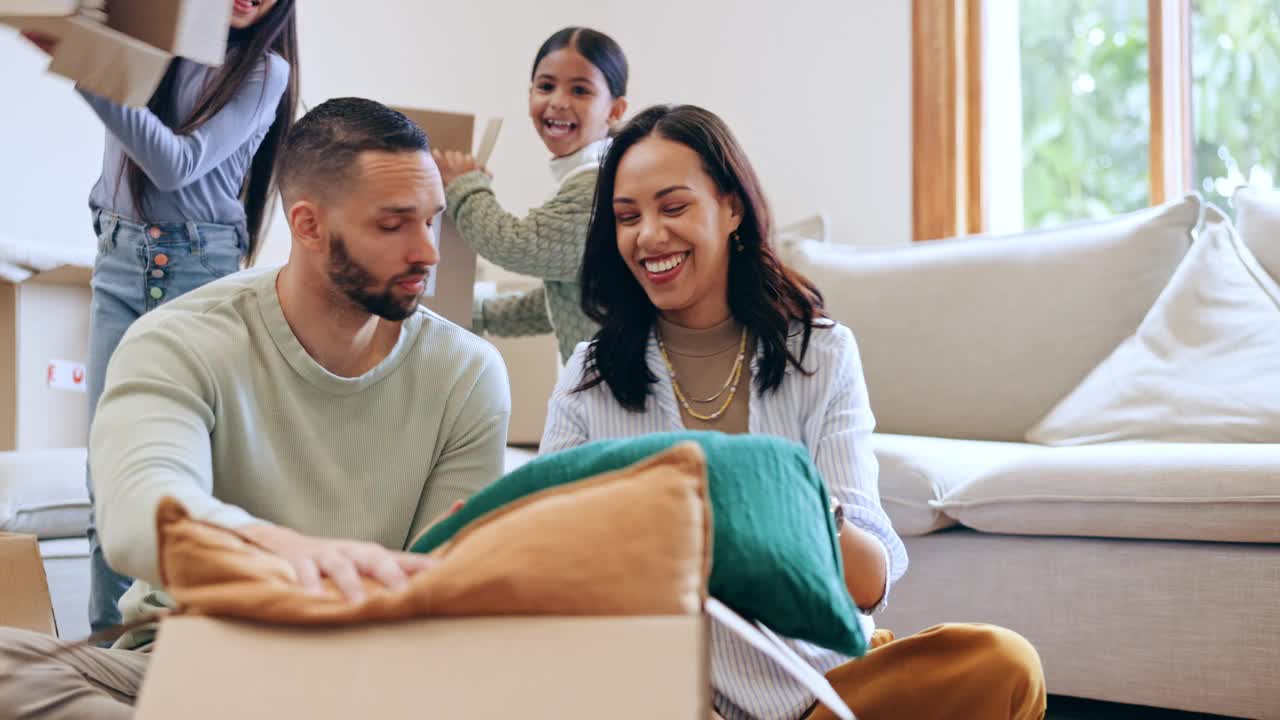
[[66, 375]]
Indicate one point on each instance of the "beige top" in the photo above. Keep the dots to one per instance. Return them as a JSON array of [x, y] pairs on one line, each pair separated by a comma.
[[703, 361]]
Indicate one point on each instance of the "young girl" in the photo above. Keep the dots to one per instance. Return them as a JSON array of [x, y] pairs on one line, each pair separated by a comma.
[[183, 194], [579, 83], [703, 327]]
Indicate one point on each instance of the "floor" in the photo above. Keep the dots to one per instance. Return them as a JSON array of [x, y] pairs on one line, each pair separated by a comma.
[[1066, 708]]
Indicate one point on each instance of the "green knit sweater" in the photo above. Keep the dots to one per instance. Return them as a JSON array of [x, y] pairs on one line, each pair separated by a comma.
[[547, 244]]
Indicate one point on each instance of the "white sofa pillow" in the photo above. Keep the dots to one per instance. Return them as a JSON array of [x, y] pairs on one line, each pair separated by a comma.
[[1258, 219], [43, 493], [1204, 365], [978, 338]]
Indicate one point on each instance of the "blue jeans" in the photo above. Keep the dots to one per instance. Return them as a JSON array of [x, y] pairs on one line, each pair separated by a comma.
[[138, 268]]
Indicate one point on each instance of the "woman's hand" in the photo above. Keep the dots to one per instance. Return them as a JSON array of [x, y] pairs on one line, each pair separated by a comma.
[[865, 573], [454, 164], [47, 43]]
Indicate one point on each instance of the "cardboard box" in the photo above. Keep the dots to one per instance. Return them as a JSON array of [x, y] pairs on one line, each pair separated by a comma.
[[451, 286], [24, 590], [533, 364], [180, 27], [125, 59], [622, 668], [44, 344]]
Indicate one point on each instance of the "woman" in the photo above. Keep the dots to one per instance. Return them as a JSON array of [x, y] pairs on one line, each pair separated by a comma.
[[702, 327], [183, 195], [577, 94]]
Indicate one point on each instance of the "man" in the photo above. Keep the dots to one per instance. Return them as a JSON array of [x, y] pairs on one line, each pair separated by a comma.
[[317, 409]]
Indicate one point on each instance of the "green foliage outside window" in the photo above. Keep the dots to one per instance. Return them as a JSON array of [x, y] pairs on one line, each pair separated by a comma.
[[1086, 104]]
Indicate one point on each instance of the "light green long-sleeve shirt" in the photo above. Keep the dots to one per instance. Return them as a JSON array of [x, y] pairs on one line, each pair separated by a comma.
[[212, 399], [547, 244]]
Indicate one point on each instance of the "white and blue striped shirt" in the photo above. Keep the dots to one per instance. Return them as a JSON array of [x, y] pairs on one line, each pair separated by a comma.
[[829, 413]]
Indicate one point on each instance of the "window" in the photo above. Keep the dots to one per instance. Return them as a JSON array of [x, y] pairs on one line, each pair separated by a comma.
[[1235, 95], [1089, 108], [1085, 108]]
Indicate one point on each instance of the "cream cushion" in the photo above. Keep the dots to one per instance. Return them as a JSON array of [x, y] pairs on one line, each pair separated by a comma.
[[978, 338], [43, 493], [1258, 220], [1158, 491], [1204, 365], [916, 472]]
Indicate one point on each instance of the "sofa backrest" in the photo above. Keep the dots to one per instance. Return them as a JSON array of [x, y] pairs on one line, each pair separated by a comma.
[[980, 337]]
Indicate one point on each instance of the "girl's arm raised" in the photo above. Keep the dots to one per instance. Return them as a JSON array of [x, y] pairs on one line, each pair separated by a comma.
[[547, 243], [172, 161]]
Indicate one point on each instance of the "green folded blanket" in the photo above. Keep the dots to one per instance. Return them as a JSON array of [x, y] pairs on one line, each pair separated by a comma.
[[775, 558]]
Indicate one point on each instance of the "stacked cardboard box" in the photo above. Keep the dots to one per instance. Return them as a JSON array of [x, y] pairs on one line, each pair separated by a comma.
[[44, 331], [122, 55], [24, 602]]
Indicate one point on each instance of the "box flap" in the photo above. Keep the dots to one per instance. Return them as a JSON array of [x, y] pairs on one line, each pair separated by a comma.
[[195, 29], [24, 602], [109, 63], [65, 275], [446, 130], [98, 59], [636, 668]]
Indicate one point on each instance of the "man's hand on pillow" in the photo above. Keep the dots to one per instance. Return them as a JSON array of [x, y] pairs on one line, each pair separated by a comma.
[[342, 561]]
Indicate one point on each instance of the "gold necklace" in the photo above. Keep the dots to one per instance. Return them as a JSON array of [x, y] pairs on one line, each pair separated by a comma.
[[732, 382]]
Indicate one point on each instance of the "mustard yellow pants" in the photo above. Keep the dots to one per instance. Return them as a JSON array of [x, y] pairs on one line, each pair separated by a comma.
[[954, 671], [969, 672]]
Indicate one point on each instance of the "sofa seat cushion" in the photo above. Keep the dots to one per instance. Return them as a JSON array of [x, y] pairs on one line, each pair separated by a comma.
[[43, 493], [1157, 491], [917, 471]]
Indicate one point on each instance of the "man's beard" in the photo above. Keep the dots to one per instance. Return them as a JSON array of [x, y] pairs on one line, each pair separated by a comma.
[[354, 282]]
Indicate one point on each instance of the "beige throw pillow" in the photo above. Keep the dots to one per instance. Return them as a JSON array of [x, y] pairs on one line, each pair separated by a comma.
[[636, 541], [977, 338], [1204, 365], [1258, 218]]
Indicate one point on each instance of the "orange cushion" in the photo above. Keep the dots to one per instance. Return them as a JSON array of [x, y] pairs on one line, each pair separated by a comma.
[[631, 542]]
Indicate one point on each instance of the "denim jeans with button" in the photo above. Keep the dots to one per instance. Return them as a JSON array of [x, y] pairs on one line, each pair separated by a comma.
[[138, 268]]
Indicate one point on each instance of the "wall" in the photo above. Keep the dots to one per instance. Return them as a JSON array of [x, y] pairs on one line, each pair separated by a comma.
[[50, 151], [818, 94]]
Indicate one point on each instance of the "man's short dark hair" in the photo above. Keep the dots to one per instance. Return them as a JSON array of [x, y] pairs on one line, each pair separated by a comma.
[[321, 149]]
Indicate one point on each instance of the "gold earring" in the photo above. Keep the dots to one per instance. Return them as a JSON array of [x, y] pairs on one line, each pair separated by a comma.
[[737, 241]]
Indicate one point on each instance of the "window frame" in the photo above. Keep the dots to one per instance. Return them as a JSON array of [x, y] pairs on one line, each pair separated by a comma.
[[947, 112]]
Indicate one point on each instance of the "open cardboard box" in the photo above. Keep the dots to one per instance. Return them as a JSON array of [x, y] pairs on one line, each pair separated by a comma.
[[44, 331], [451, 285], [635, 668], [622, 668], [24, 589], [124, 58]]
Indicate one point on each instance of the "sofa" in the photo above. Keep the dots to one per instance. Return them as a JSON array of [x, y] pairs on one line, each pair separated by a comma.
[[42, 493], [1143, 572]]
